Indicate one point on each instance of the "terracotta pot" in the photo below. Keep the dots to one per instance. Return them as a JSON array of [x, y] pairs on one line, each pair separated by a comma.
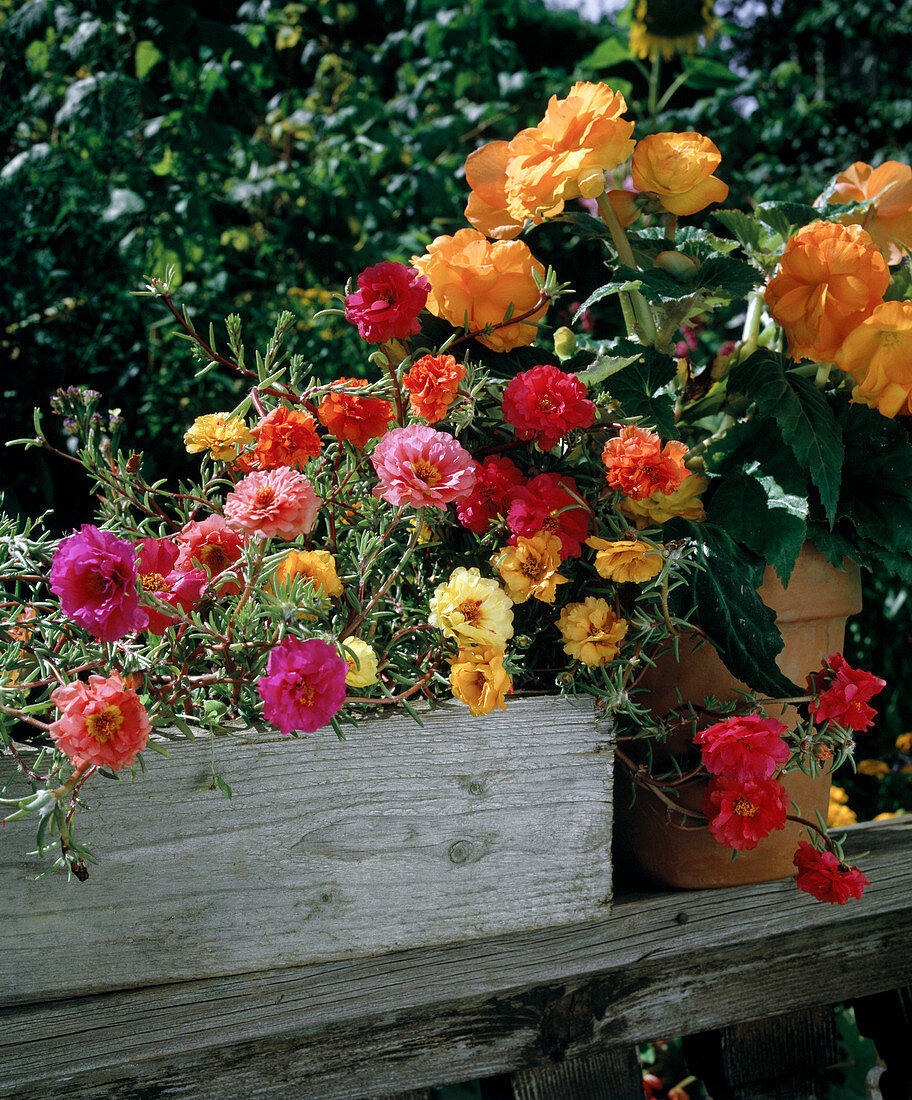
[[811, 614]]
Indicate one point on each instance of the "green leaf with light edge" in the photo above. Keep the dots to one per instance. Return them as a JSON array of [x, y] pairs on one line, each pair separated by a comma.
[[807, 423], [722, 600], [635, 387]]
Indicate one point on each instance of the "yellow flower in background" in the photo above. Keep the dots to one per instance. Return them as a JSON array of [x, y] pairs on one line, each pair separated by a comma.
[[878, 355], [838, 812], [878, 768], [591, 631], [670, 27], [362, 663], [887, 816], [679, 169], [318, 566], [224, 436], [626, 560], [904, 743], [656, 509], [530, 568], [478, 679], [472, 609]]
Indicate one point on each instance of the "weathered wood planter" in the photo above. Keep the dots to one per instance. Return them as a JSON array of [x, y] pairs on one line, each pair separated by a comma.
[[399, 837]]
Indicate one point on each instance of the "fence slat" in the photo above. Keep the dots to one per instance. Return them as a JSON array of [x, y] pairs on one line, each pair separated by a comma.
[[609, 1075]]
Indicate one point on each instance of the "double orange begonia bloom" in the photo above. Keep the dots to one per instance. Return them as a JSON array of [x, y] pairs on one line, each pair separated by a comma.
[[830, 279], [888, 189], [678, 168], [878, 355]]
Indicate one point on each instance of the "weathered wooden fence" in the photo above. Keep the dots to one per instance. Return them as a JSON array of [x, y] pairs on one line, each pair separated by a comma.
[[559, 1009]]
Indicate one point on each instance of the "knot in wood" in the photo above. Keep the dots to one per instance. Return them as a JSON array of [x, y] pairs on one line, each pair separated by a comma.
[[460, 851]]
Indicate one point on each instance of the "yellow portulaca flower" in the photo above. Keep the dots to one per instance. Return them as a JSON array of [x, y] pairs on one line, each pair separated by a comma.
[[472, 609], [530, 567], [318, 566], [222, 435], [838, 812], [656, 509], [878, 768], [591, 631], [362, 663], [904, 743], [626, 560], [479, 679]]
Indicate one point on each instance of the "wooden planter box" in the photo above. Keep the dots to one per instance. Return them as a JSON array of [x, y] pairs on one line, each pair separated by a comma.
[[399, 837]]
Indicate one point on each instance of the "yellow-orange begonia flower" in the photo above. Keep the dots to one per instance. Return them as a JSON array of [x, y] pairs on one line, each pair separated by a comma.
[[656, 509], [224, 436], [838, 812], [479, 679], [530, 567], [475, 281], [626, 560], [679, 169], [591, 631], [888, 190], [566, 155], [878, 355], [830, 278]]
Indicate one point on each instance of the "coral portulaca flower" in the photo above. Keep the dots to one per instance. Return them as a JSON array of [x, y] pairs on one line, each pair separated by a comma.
[[821, 875], [94, 574], [103, 722], [273, 504], [387, 302], [638, 465], [210, 544], [422, 467], [304, 684], [545, 403]]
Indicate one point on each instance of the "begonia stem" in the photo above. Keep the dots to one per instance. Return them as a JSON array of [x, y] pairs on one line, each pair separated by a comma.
[[641, 307]]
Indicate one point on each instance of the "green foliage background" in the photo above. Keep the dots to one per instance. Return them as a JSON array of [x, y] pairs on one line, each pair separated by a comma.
[[269, 151]]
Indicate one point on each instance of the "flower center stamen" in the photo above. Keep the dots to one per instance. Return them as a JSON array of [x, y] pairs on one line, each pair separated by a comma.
[[153, 582], [745, 808], [102, 727]]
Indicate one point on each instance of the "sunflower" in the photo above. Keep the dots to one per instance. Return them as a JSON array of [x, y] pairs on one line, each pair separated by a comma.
[[670, 27]]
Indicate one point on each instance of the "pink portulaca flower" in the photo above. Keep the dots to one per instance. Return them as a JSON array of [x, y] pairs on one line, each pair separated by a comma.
[[844, 693], [159, 577], [304, 684], [387, 303], [545, 403], [422, 467], [210, 544], [741, 814], [103, 722], [94, 574], [821, 875], [744, 748], [278, 503]]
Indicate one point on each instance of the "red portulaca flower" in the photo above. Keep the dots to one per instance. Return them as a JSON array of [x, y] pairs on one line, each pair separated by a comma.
[[844, 693], [743, 748], [103, 722], [496, 481], [387, 303], [304, 684], [545, 403], [420, 466], [269, 504], [742, 813], [638, 465], [94, 574], [547, 503], [821, 875], [159, 576]]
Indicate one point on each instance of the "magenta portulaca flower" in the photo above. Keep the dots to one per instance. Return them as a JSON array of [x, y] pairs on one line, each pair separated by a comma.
[[387, 303], [278, 503], [94, 574], [304, 684], [422, 467]]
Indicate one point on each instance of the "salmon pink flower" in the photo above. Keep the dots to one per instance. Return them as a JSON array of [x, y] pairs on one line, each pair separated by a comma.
[[821, 875], [94, 574], [387, 303], [102, 723], [742, 812], [638, 465], [355, 419], [496, 480], [273, 504], [159, 577], [550, 503], [422, 467], [304, 685], [210, 544], [743, 748], [843, 693], [545, 403]]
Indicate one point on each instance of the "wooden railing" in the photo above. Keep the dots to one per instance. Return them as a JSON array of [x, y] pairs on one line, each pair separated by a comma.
[[560, 1010]]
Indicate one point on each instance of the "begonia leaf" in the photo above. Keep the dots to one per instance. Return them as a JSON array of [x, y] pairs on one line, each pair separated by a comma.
[[636, 387]]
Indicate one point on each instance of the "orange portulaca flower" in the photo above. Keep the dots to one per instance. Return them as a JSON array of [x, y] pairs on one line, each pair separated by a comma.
[[580, 138], [476, 281], [591, 631], [626, 560], [679, 169], [479, 679], [830, 279], [530, 567], [888, 189], [878, 355], [433, 382]]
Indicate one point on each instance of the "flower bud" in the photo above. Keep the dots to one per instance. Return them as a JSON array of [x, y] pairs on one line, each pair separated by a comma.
[[564, 343], [678, 265]]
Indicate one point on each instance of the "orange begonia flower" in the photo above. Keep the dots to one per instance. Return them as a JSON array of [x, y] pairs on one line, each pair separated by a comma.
[[474, 281], [285, 437], [888, 189], [830, 278], [679, 169], [878, 355], [565, 155], [433, 382]]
